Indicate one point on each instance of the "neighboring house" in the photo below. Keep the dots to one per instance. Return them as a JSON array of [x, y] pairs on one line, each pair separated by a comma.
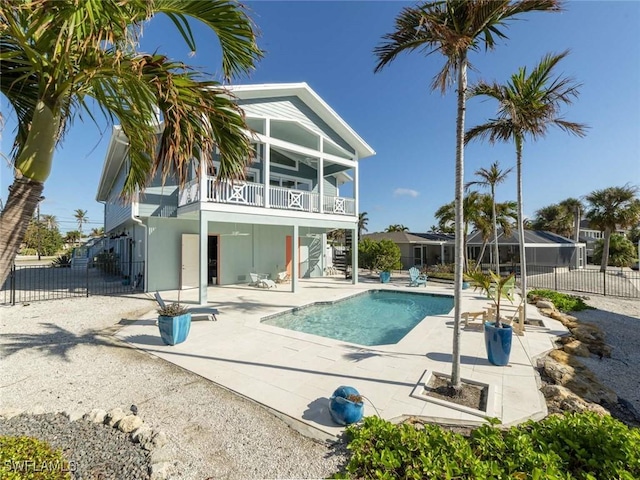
[[590, 235], [541, 247], [422, 249], [214, 232]]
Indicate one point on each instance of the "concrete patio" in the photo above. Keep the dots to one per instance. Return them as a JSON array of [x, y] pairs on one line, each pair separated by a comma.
[[293, 374]]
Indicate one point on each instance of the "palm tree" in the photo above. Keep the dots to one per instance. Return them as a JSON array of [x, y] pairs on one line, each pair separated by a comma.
[[363, 220], [529, 104], [472, 207], [396, 228], [573, 208], [612, 208], [454, 28], [490, 178], [81, 217], [65, 58], [50, 221], [97, 232], [73, 237]]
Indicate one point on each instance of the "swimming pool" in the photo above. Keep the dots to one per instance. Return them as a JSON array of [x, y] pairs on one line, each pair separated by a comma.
[[376, 317]]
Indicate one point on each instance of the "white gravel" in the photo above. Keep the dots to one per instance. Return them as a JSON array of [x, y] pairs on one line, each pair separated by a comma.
[[60, 356], [619, 319]]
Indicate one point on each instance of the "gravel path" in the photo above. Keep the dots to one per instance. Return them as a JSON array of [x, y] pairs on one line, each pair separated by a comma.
[[619, 319], [60, 356]]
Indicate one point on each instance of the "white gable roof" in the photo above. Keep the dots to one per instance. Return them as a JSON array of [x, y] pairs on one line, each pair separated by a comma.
[[313, 101]]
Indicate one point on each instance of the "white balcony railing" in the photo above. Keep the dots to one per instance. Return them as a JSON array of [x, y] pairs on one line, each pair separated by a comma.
[[252, 194]]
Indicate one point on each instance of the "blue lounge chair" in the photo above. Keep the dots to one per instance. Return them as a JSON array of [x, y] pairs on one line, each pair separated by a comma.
[[417, 278]]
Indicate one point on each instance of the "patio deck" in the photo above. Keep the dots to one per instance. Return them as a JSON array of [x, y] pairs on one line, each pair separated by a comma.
[[294, 374]]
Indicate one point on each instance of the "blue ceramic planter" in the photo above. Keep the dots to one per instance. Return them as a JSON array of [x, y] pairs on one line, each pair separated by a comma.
[[344, 411], [174, 330], [385, 277], [498, 343]]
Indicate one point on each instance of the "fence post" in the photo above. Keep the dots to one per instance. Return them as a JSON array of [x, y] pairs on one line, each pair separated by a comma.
[[12, 282], [87, 279], [555, 278], [604, 282]]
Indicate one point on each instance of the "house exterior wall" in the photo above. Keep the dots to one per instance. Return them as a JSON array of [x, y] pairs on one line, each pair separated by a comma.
[[165, 245], [115, 212], [159, 200]]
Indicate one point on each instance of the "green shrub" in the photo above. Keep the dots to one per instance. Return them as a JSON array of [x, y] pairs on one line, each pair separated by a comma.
[[581, 446], [383, 255], [562, 301], [622, 252], [30, 458], [28, 251]]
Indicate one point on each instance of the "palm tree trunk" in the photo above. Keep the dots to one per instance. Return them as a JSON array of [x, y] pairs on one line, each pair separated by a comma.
[[484, 247], [523, 255], [24, 196], [576, 224], [496, 252], [605, 249], [456, 382], [33, 166]]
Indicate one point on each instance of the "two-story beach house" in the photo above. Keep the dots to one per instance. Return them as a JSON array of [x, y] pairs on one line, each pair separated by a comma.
[[302, 184]]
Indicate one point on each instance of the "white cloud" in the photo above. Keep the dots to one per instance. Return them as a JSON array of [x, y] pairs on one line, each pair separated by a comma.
[[405, 191]]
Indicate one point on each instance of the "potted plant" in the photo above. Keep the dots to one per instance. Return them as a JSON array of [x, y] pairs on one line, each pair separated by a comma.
[[174, 322], [497, 336], [346, 405], [387, 258]]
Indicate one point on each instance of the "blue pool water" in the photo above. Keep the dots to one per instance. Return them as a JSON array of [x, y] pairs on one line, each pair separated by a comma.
[[377, 317]]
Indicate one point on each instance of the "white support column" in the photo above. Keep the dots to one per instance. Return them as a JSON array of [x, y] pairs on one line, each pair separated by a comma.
[[442, 253], [204, 242], [203, 195], [266, 164], [354, 256], [321, 176], [356, 186], [295, 259]]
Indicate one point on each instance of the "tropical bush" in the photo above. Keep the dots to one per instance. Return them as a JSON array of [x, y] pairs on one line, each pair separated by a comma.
[[562, 301], [108, 262], [30, 458], [622, 252], [571, 446], [47, 241], [63, 261], [28, 251], [383, 255]]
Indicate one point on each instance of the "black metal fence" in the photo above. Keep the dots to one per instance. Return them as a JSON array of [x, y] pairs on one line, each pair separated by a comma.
[[32, 283], [616, 282]]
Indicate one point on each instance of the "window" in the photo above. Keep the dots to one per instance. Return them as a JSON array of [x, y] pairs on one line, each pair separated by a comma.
[[291, 183]]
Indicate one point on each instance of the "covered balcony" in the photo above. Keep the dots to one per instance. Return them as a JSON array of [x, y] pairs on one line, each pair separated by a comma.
[[253, 195]]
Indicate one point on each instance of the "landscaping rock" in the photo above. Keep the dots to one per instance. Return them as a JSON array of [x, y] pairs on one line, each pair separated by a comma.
[[545, 304], [588, 333], [97, 415], [10, 412], [565, 370], [159, 440], [160, 471], [142, 435], [114, 416], [75, 415], [129, 423], [546, 311], [576, 347]]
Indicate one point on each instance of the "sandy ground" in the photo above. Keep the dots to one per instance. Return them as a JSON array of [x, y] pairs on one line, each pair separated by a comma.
[[60, 355]]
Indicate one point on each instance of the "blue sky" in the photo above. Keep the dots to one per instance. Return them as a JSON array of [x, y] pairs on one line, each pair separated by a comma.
[[329, 45]]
